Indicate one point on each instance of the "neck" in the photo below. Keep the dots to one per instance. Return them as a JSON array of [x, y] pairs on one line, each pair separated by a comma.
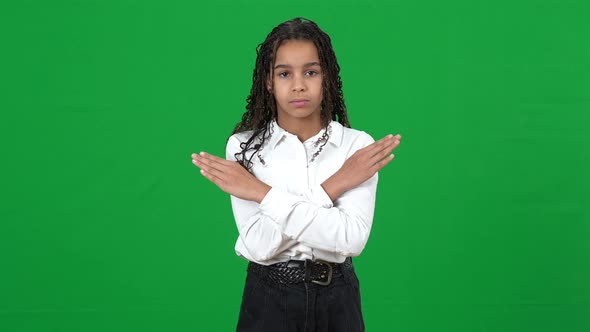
[[303, 128]]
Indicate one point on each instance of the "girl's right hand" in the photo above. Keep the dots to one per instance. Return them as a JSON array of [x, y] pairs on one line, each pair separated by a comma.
[[365, 162]]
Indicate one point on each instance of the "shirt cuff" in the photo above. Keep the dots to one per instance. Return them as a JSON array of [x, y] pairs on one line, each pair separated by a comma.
[[320, 196], [277, 204]]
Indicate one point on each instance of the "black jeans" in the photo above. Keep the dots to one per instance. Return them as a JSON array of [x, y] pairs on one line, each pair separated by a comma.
[[305, 306]]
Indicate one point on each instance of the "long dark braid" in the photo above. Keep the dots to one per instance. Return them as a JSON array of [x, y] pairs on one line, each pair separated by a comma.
[[261, 108]]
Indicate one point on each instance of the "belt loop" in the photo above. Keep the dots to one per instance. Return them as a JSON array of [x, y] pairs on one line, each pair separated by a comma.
[[308, 265], [348, 270]]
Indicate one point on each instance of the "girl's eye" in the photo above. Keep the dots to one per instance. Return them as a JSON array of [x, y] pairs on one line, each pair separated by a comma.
[[309, 73]]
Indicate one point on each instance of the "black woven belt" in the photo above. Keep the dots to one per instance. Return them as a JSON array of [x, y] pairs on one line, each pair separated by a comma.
[[295, 271]]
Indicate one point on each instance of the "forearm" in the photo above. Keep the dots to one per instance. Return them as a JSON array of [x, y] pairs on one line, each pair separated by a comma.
[[334, 186], [260, 192], [313, 220]]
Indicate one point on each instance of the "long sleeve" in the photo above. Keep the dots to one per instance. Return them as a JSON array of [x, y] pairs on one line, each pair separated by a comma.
[[261, 237], [284, 219], [343, 228]]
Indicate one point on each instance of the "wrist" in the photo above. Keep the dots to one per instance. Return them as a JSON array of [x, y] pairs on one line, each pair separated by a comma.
[[334, 186], [261, 192]]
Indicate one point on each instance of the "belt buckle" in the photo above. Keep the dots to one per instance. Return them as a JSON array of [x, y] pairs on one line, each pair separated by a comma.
[[327, 282]]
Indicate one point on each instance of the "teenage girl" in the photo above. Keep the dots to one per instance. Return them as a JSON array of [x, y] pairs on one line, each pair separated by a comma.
[[302, 185]]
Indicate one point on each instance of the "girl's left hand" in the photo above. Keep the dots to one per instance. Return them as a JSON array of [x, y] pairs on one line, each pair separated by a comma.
[[231, 177]]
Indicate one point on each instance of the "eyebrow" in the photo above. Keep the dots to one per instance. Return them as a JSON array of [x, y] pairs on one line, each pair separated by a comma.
[[309, 64]]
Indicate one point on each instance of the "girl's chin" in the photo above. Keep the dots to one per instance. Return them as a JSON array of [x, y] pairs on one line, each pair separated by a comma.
[[299, 113]]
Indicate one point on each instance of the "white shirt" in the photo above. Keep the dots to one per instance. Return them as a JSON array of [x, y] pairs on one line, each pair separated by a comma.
[[297, 219]]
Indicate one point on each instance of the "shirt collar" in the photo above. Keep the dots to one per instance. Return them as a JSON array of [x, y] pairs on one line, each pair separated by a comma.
[[278, 133]]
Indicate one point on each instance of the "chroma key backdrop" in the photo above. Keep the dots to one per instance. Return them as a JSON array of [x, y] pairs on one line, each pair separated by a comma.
[[481, 222]]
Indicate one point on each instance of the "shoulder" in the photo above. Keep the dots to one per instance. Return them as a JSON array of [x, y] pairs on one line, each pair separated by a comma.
[[241, 136], [355, 138], [233, 143]]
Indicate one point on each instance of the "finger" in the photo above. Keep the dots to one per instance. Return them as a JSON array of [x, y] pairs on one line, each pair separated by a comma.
[[379, 165], [210, 159], [384, 152], [381, 150], [219, 175], [203, 166], [212, 178], [215, 158], [380, 144], [209, 164], [370, 149], [397, 136], [197, 163]]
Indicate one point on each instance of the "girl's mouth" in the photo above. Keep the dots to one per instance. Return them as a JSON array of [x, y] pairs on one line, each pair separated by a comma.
[[300, 103]]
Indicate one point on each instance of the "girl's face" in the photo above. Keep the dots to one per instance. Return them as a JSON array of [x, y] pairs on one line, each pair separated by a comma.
[[297, 81]]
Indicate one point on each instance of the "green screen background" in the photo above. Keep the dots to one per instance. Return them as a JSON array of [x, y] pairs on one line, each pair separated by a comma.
[[481, 222]]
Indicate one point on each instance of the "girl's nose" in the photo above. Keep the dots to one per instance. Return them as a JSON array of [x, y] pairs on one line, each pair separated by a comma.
[[298, 84]]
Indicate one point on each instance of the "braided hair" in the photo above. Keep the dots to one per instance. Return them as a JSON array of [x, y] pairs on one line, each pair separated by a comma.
[[261, 107]]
